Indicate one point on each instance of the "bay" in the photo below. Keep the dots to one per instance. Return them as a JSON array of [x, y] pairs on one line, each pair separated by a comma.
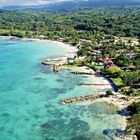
[[30, 95]]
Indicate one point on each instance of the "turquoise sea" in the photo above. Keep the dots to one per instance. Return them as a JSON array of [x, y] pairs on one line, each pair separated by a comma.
[[30, 94]]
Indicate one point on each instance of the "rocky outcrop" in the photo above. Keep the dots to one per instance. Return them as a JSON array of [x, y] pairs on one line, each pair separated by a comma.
[[55, 63], [82, 98], [55, 68]]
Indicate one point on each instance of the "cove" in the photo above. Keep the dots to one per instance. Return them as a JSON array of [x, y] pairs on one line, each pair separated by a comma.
[[30, 94]]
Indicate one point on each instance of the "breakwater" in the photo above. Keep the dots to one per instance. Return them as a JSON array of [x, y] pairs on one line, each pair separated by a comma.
[[93, 84], [81, 98]]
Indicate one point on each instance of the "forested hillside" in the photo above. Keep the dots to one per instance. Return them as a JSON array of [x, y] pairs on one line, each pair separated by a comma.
[[84, 24], [77, 4]]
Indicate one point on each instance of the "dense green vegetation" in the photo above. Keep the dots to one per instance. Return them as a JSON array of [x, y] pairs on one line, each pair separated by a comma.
[[109, 92], [130, 92], [94, 29], [99, 34], [72, 25], [134, 122]]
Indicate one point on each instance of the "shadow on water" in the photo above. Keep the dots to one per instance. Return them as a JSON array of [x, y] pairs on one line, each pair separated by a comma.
[[44, 68], [59, 80], [114, 132], [81, 137], [60, 128], [124, 112]]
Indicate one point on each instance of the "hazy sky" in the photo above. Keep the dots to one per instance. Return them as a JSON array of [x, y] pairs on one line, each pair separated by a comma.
[[26, 2]]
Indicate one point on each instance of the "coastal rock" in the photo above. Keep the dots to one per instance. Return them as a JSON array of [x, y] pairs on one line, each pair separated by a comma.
[[81, 98], [45, 68], [55, 68], [55, 61], [83, 71]]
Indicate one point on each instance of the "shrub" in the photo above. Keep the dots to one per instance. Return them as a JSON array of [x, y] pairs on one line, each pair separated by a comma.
[[109, 92], [136, 93], [134, 108], [130, 91], [79, 63], [122, 61], [114, 72], [131, 78], [133, 126]]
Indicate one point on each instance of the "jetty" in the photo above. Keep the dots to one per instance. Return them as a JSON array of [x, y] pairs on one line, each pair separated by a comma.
[[82, 73], [94, 84], [82, 98]]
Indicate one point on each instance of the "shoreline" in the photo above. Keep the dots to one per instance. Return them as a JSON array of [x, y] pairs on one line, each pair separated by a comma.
[[69, 47], [99, 79], [59, 43], [117, 99], [73, 50]]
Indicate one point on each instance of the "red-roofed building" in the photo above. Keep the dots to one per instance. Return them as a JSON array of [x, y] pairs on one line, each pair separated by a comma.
[[107, 59], [101, 59]]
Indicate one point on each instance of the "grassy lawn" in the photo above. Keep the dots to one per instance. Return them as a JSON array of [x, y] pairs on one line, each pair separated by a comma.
[[93, 66], [99, 67], [118, 81]]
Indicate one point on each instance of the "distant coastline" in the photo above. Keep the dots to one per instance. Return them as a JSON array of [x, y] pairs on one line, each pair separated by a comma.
[[71, 49]]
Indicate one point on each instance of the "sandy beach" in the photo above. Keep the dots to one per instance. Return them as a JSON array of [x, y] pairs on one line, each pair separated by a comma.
[[71, 49], [71, 53], [91, 75]]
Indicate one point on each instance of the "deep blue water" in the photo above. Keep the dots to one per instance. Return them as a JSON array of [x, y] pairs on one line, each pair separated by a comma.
[[30, 94]]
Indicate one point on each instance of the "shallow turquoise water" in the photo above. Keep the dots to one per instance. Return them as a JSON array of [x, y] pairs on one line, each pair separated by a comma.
[[30, 94]]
